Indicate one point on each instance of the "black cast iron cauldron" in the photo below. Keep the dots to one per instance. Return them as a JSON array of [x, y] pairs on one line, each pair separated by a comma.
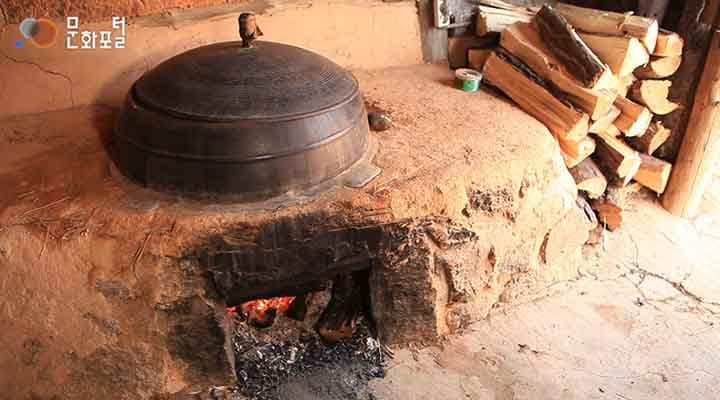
[[228, 119]]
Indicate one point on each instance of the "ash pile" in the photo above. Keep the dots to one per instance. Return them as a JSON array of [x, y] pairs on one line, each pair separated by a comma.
[[319, 346]]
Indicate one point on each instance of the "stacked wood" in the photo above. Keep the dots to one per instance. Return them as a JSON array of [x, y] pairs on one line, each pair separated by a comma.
[[589, 178], [659, 67], [634, 119], [581, 71], [653, 138], [509, 75], [654, 95], [617, 159], [524, 42], [477, 58]]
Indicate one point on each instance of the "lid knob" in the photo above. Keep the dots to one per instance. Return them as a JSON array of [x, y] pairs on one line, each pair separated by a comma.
[[249, 29]]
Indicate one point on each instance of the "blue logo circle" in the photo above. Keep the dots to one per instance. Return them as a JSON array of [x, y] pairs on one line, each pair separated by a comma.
[[19, 44]]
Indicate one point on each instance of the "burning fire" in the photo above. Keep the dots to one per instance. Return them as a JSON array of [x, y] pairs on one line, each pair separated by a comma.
[[262, 311]]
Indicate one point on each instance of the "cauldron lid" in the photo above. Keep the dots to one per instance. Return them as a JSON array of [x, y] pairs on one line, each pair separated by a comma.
[[225, 81]]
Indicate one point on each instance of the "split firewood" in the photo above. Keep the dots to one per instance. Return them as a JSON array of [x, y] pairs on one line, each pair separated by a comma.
[[653, 173], [589, 178], [477, 58], [623, 54], [668, 44], [570, 49], [618, 160], [654, 137], [634, 120], [519, 83], [654, 95], [603, 123], [611, 23], [659, 67], [609, 207], [623, 84], [459, 47], [339, 319], [578, 149], [523, 41], [495, 19]]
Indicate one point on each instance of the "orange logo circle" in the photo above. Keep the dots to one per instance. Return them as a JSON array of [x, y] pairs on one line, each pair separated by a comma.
[[46, 33]]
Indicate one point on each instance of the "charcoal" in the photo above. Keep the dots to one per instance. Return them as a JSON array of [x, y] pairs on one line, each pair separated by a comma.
[[307, 368]]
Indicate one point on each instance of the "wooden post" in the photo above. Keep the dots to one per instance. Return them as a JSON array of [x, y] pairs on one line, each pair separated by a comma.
[[700, 148]]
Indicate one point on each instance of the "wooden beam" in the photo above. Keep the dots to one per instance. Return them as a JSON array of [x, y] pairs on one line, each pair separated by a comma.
[[654, 95], [653, 173], [562, 120], [622, 53], [669, 44], [567, 46], [617, 159], [611, 23], [589, 178], [659, 67], [699, 151], [634, 120], [523, 41], [653, 138]]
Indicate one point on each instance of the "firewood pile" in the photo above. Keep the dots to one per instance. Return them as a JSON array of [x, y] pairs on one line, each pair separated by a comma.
[[597, 80]]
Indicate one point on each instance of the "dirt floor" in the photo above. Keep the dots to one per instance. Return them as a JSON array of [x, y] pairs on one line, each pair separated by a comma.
[[640, 322]]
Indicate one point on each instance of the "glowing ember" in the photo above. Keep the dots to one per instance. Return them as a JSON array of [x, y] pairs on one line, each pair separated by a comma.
[[262, 312]]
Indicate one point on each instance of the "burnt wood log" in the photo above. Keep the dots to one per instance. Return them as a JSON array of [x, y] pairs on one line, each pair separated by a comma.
[[347, 304]]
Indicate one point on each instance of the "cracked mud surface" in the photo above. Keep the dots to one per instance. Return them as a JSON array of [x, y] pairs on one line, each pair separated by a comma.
[[640, 322]]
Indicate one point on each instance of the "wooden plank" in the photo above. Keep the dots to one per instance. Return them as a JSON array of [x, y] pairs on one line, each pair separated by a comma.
[[524, 42], [491, 19], [699, 151], [562, 120], [567, 46]]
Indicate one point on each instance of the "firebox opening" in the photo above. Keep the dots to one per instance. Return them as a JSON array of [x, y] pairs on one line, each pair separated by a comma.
[[287, 344]]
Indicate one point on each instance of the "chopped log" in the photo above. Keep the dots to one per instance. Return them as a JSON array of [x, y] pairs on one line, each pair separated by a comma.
[[622, 54], [477, 57], [611, 23], [512, 78], [494, 19], [634, 120], [654, 95], [623, 84], [523, 41], [578, 149], [589, 178], [569, 48], [603, 123], [653, 138], [339, 319], [459, 47], [609, 208], [653, 173], [617, 160], [659, 67], [699, 151], [669, 44]]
